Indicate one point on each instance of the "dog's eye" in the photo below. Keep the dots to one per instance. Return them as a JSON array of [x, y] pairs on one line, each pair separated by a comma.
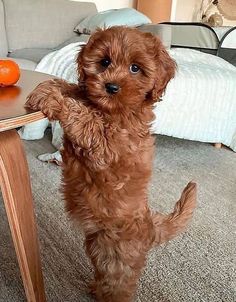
[[134, 68], [105, 62]]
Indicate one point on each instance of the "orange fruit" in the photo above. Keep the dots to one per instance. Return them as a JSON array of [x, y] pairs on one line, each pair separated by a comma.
[[9, 73]]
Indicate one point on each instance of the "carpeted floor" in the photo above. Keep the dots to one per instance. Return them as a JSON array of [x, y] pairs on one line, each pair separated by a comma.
[[199, 265]]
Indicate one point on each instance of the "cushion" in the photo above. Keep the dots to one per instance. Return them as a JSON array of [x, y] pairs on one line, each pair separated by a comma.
[[74, 39], [24, 64], [43, 23], [32, 54], [123, 16], [3, 37], [36, 54]]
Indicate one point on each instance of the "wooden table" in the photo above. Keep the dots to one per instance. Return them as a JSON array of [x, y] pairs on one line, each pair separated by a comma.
[[15, 181]]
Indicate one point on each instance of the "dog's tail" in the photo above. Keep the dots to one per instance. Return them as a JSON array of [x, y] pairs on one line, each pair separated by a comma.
[[168, 226]]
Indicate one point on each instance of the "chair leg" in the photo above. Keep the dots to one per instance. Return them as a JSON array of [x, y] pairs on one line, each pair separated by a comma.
[[17, 196]]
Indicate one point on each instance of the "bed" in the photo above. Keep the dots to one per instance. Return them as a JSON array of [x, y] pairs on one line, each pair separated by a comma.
[[219, 41], [205, 84], [199, 103]]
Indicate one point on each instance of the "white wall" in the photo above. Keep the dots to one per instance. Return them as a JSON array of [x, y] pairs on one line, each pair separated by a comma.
[[184, 10], [109, 4]]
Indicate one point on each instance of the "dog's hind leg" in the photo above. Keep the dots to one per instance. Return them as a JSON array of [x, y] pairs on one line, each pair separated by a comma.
[[118, 266], [168, 226]]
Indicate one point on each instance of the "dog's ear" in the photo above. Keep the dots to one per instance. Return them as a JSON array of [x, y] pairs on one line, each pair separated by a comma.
[[165, 66], [80, 64], [82, 56]]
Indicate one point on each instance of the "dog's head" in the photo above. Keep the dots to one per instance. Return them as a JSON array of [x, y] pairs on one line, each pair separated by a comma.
[[122, 67]]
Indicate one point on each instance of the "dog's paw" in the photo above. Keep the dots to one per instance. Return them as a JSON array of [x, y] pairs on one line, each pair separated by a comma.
[[47, 99], [33, 101], [37, 98]]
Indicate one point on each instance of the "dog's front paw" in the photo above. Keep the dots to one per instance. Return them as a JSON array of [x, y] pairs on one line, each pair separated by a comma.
[[46, 98], [34, 101], [37, 98]]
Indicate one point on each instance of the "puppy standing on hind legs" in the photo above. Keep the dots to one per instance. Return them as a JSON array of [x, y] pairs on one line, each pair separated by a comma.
[[108, 151]]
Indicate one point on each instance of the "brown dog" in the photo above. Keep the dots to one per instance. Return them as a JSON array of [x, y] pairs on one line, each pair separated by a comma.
[[108, 151]]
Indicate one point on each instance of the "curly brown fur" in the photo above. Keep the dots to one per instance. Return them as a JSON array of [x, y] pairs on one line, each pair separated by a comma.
[[108, 151]]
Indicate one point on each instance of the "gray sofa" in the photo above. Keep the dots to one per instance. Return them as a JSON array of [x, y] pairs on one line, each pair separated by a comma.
[[30, 29]]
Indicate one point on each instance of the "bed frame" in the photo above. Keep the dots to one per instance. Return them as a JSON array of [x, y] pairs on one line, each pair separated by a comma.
[[202, 37], [227, 47]]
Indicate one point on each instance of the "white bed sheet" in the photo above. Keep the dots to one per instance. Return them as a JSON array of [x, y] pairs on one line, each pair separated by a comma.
[[200, 102]]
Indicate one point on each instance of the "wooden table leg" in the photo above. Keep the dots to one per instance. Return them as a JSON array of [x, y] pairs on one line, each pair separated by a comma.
[[217, 145], [17, 196]]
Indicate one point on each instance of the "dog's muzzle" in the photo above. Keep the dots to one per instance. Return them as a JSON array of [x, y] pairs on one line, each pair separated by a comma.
[[112, 88]]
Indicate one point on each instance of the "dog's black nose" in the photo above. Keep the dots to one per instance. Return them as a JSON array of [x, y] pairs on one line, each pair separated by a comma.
[[112, 88]]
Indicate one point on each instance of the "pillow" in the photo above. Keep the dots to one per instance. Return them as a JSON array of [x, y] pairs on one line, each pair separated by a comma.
[[123, 16]]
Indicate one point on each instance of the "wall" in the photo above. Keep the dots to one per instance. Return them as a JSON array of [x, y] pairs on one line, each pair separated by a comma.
[[184, 10], [109, 4], [157, 10]]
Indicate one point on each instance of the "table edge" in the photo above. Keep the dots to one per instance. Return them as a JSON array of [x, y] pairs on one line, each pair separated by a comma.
[[19, 121]]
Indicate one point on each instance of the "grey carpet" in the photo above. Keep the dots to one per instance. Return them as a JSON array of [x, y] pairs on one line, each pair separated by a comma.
[[199, 265]]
